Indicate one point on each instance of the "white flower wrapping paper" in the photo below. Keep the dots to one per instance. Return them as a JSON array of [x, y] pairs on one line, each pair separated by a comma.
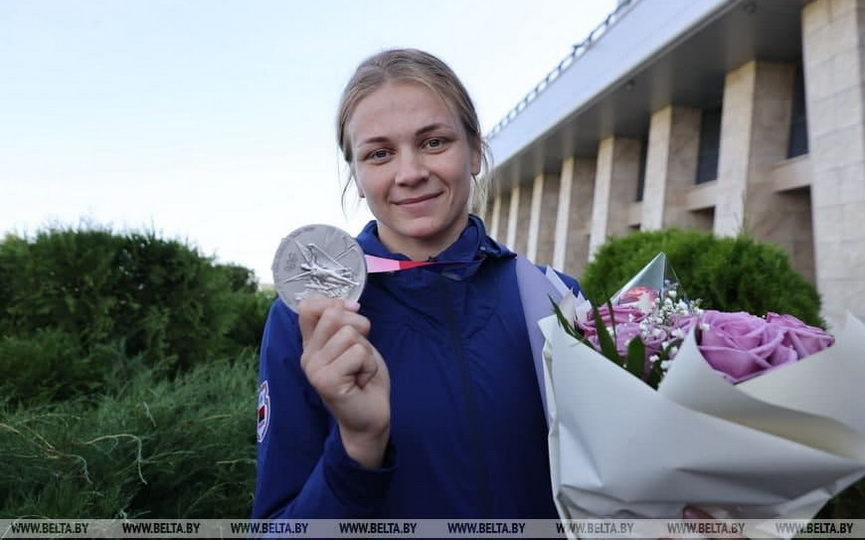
[[777, 446]]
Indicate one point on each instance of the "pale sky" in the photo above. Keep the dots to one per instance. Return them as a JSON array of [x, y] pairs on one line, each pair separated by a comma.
[[212, 121]]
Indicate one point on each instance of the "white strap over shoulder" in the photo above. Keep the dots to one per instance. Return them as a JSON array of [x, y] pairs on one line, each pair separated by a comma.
[[536, 290]]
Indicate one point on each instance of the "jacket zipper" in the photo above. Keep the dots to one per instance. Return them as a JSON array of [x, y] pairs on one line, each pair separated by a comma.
[[473, 414]]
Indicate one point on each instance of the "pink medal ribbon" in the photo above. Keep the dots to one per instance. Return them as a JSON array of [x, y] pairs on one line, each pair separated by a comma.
[[380, 264]]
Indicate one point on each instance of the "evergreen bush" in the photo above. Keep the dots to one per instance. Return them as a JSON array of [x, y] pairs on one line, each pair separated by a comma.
[[50, 365], [102, 293], [249, 305], [155, 449], [730, 273], [128, 378]]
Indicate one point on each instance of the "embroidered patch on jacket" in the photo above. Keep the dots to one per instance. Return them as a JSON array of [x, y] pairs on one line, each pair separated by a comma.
[[263, 410]]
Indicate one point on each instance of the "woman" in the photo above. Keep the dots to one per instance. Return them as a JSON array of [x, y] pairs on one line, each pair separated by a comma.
[[421, 400]]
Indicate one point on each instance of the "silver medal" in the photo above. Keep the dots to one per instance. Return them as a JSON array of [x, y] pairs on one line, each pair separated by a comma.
[[318, 259]]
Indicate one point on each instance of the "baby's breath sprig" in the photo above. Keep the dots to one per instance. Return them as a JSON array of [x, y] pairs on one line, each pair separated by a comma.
[[664, 319]]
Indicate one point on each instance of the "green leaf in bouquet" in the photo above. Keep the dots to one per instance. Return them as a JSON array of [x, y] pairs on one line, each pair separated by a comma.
[[567, 325], [608, 344], [636, 358], [653, 377], [607, 341]]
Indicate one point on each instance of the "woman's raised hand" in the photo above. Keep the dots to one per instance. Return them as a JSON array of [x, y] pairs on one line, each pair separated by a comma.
[[348, 373]]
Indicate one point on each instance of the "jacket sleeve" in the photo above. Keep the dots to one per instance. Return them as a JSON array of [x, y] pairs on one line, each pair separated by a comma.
[[303, 470]]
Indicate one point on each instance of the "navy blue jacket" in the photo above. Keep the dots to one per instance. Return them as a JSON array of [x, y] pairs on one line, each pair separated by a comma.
[[468, 429]]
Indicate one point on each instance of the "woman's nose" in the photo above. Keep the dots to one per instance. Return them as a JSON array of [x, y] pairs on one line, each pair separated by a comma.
[[411, 168]]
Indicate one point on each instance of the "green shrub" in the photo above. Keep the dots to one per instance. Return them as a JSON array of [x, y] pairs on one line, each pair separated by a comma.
[[51, 365], [156, 449], [249, 305], [730, 274], [250, 310], [156, 300], [127, 378]]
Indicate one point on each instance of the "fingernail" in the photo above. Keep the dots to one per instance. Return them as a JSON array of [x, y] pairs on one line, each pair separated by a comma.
[[352, 305], [691, 513]]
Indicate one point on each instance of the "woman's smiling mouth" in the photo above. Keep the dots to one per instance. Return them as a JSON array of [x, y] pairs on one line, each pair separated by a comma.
[[416, 200]]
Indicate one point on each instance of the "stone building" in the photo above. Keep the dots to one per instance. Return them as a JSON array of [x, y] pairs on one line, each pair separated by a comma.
[[721, 115]]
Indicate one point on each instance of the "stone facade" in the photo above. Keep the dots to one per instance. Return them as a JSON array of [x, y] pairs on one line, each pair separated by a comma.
[[812, 205]]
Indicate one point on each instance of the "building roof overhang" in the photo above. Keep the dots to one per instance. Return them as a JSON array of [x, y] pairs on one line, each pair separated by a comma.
[[653, 54]]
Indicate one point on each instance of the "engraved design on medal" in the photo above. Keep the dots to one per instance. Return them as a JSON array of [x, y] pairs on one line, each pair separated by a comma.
[[318, 259], [322, 273]]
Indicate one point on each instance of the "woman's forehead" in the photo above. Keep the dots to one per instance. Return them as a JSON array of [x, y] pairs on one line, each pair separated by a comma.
[[401, 105]]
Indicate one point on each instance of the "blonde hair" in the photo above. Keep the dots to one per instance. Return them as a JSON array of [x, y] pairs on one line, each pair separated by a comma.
[[420, 67]]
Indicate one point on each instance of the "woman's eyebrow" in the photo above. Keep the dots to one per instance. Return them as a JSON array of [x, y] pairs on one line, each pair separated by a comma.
[[373, 140], [433, 127], [422, 131]]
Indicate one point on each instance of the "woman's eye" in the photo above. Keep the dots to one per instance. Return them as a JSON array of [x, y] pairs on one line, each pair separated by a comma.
[[378, 154], [435, 143]]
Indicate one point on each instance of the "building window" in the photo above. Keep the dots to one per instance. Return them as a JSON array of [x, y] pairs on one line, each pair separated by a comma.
[[710, 146], [798, 119]]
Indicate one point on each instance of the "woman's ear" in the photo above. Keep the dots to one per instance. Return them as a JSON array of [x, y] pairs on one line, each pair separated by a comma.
[[476, 162]]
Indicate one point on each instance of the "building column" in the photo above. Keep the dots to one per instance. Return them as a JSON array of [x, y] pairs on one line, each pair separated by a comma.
[[790, 228], [833, 57], [755, 129], [524, 216], [563, 213], [671, 166], [542, 222], [616, 180], [504, 217], [534, 218], [513, 217], [495, 216], [574, 215]]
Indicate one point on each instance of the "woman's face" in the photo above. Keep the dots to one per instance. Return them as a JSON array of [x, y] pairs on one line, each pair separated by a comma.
[[413, 163]]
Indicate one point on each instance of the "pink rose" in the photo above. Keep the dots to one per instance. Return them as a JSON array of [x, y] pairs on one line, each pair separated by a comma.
[[621, 314], [625, 332], [656, 338], [804, 339], [637, 294], [741, 345]]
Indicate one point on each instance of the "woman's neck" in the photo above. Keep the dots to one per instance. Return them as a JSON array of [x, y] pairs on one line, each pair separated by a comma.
[[419, 248]]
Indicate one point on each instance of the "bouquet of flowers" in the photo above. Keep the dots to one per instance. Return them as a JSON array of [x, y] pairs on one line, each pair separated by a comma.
[[642, 328], [743, 416]]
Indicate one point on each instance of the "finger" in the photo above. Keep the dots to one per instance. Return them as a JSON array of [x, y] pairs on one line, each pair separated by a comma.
[[344, 363], [331, 322], [322, 318], [309, 310], [343, 339], [360, 360], [365, 376], [692, 512]]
